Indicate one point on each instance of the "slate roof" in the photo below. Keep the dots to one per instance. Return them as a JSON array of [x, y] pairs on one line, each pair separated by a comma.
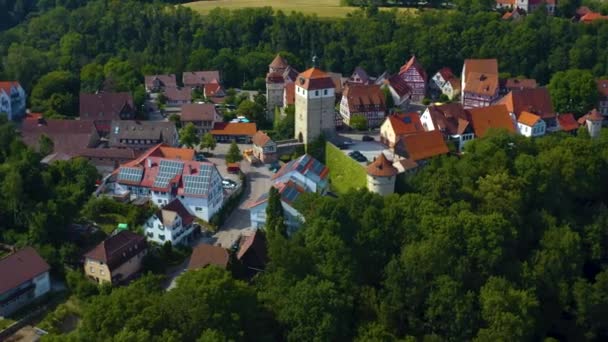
[[118, 248], [105, 105], [19, 267], [204, 255]]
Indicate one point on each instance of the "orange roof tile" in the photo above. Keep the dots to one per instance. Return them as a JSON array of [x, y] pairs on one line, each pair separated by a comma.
[[260, 138], [567, 122], [405, 123], [423, 145], [536, 101], [528, 119], [482, 84], [290, 93], [381, 167], [234, 128], [486, 118], [314, 78], [279, 62]]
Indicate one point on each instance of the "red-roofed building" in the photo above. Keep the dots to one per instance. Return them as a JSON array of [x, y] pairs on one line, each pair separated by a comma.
[[172, 223], [398, 125], [253, 253], [452, 120], [593, 121], [480, 83], [363, 100], [315, 105], [199, 79], [103, 107], [163, 174], [264, 148], [241, 132], [280, 90], [381, 176], [421, 146], [12, 100], [399, 89], [415, 77], [492, 117], [533, 100], [202, 115], [24, 277], [204, 255], [157, 83], [214, 91], [117, 259], [446, 82], [567, 123], [530, 125]]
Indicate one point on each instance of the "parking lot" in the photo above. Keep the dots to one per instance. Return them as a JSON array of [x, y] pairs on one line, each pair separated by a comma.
[[369, 149]]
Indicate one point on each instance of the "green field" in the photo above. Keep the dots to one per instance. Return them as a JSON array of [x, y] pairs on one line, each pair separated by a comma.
[[344, 173], [322, 8]]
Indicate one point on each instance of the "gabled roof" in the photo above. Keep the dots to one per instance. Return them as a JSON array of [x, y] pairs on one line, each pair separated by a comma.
[[602, 87], [359, 71], [567, 122], [199, 112], [7, 85], [214, 89], [178, 94], [279, 62], [289, 191], [19, 267], [253, 246], [290, 93], [485, 118], [381, 167], [68, 136], [450, 118], [105, 105], [399, 85], [234, 128], [175, 208], [165, 80], [413, 63], [594, 115], [481, 66], [204, 255], [361, 96], [200, 78], [536, 101], [306, 165], [422, 145], [275, 77], [118, 248], [528, 119], [315, 79], [481, 84], [141, 130], [260, 139], [290, 74], [446, 73], [405, 123]]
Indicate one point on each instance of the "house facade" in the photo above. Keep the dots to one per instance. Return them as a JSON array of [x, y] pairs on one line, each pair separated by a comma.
[[176, 97], [359, 76], [530, 125], [480, 84], [397, 125], [202, 115], [25, 277], [158, 83], [264, 148], [116, 259], [363, 100], [452, 120], [12, 100], [140, 135], [314, 106], [532, 100], [399, 89], [172, 223], [241, 132], [446, 82], [415, 77], [103, 107]]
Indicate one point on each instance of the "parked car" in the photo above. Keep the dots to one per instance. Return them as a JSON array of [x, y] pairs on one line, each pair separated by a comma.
[[199, 157], [274, 167], [228, 184], [367, 138]]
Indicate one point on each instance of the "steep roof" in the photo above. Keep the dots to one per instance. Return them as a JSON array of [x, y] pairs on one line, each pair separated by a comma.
[[399, 85], [528, 119], [165, 80], [260, 139], [381, 167], [7, 85], [567, 122], [450, 118], [275, 77], [306, 165], [19, 267], [362, 75], [200, 78], [481, 84], [481, 66], [360, 96], [485, 118], [423, 145], [175, 208], [118, 248], [255, 245], [204, 255], [602, 87], [315, 79], [234, 128], [105, 105], [413, 63], [405, 123], [446, 73], [535, 100], [199, 112], [520, 83], [141, 130], [279, 62], [178, 94], [594, 115], [214, 89]]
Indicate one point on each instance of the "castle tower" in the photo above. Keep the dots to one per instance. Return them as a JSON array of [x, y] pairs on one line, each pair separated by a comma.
[[594, 120], [314, 105], [275, 83], [381, 176]]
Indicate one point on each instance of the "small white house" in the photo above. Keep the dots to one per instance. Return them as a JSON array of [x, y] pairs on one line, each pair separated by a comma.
[[530, 125], [12, 100], [172, 223], [450, 119], [446, 82]]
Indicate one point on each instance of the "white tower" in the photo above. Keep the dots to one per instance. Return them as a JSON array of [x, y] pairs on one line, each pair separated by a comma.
[[381, 176], [315, 105], [594, 120]]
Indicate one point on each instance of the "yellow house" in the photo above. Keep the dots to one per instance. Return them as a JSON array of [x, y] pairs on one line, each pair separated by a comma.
[[116, 259]]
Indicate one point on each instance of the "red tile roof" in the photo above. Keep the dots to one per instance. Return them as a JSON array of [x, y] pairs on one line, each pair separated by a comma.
[[399, 85], [204, 255], [381, 167], [567, 122], [105, 105], [200, 78], [260, 139], [234, 128], [290, 93], [178, 94], [536, 101], [19, 267], [405, 123], [214, 89], [364, 98], [166, 80], [274, 77], [520, 83], [279, 62], [446, 73], [486, 118], [450, 118], [413, 63], [422, 145], [314, 79], [528, 119], [118, 249]]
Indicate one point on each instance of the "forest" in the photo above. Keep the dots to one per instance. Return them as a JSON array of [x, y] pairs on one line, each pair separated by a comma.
[[113, 44]]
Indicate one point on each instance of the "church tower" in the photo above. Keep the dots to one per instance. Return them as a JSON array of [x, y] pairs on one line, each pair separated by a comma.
[[314, 105], [275, 83]]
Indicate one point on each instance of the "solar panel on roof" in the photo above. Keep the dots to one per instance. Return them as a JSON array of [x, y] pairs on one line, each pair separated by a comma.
[[302, 164], [290, 194], [317, 167], [197, 184], [130, 174], [167, 169]]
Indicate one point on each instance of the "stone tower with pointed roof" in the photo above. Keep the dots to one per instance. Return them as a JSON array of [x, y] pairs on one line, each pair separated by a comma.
[[275, 83], [381, 176], [314, 105]]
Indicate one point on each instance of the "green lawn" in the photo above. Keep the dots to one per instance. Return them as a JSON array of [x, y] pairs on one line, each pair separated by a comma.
[[4, 323], [322, 8], [344, 173]]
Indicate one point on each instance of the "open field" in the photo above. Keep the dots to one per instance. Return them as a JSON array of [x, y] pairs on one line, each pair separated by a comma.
[[322, 8]]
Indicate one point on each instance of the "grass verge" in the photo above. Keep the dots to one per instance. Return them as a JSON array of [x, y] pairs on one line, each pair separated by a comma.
[[344, 172]]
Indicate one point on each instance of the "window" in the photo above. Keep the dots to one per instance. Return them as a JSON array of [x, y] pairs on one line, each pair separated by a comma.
[[325, 92], [161, 237], [198, 209], [92, 270], [316, 93], [160, 201]]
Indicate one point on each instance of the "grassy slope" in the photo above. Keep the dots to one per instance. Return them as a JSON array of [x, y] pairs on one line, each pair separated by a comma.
[[322, 8], [344, 172]]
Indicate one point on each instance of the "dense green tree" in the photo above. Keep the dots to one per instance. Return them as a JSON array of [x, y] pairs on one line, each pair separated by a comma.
[[56, 92], [275, 220], [234, 154], [573, 91], [208, 142], [358, 122], [188, 136], [91, 77], [45, 145]]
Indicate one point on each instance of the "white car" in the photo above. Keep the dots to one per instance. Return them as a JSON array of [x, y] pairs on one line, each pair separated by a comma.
[[228, 184]]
